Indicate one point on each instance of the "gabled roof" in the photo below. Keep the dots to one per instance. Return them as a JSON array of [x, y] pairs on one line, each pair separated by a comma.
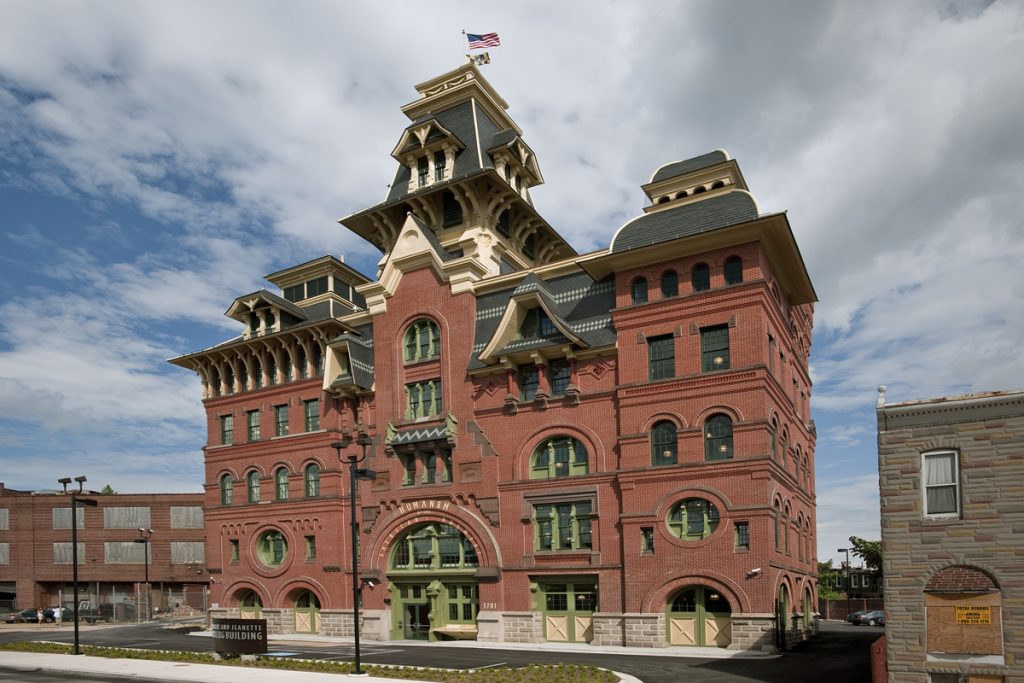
[[422, 133], [244, 304]]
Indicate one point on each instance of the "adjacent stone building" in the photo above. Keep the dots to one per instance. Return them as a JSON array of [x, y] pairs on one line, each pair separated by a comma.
[[951, 472], [36, 553], [613, 447]]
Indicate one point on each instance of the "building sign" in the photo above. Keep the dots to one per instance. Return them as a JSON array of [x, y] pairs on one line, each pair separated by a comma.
[[976, 614], [240, 636]]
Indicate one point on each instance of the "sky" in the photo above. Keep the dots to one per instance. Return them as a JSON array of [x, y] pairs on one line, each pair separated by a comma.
[[157, 159]]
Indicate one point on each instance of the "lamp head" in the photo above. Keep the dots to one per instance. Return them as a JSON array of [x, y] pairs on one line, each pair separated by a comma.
[[64, 480], [342, 443], [364, 440], [81, 479]]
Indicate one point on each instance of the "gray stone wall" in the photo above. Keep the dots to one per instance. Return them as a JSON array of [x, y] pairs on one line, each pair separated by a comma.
[[988, 434], [523, 627], [754, 632], [337, 623]]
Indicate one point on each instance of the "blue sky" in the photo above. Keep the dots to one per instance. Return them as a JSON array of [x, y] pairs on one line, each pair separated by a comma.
[[157, 159]]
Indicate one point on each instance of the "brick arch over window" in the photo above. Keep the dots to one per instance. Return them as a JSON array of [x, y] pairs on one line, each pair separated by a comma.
[[595, 451], [457, 515], [287, 594], [244, 587], [421, 340], [659, 597], [961, 579]]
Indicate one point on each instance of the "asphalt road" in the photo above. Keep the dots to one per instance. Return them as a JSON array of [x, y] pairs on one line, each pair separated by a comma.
[[840, 653]]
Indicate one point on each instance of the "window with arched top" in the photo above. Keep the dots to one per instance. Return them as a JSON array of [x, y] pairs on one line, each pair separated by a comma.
[[773, 435], [777, 522], [718, 184], [669, 284], [281, 483], [312, 480], [422, 340], [664, 447], [433, 546], [451, 210], [718, 437], [252, 481], [227, 489], [536, 323], [560, 456], [638, 290], [700, 277], [733, 270]]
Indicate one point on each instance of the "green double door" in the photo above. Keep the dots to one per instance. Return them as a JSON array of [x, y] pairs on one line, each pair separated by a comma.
[[699, 616], [423, 610], [569, 611]]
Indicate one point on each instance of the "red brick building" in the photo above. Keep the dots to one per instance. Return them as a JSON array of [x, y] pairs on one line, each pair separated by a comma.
[[36, 552], [613, 447]]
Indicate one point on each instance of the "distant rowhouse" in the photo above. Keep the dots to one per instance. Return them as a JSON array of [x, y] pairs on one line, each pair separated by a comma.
[[613, 448]]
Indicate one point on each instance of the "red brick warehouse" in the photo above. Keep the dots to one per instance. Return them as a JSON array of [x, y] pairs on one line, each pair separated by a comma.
[[613, 448]]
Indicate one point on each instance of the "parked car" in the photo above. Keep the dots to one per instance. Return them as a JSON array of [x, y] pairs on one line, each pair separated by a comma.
[[29, 616], [872, 618], [852, 617]]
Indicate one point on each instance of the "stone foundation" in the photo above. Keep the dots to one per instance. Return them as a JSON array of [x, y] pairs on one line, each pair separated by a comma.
[[489, 627], [523, 627], [753, 632]]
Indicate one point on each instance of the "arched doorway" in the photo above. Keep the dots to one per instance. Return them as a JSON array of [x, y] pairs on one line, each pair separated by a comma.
[[432, 571], [250, 605], [808, 610], [699, 616], [782, 610], [307, 612]]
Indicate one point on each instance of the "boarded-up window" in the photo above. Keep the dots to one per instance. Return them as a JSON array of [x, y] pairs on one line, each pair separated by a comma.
[[62, 518], [4, 523], [964, 623], [125, 552], [190, 517], [62, 553], [5, 553], [188, 552], [126, 518]]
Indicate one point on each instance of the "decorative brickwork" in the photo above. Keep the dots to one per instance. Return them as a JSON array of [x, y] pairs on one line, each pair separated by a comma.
[[960, 580]]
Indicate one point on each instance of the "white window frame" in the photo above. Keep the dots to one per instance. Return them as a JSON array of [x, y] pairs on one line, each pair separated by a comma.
[[956, 484]]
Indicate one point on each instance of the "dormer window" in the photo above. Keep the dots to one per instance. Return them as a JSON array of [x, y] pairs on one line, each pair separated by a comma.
[[536, 324], [439, 166], [254, 323], [422, 172]]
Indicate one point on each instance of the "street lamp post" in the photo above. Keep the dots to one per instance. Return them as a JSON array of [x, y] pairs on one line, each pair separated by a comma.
[[847, 551], [144, 536], [355, 474], [75, 501]]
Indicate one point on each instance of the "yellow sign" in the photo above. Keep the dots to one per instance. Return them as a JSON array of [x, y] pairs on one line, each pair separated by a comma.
[[973, 615]]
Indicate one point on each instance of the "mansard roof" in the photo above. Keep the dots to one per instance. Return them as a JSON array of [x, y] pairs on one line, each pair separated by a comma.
[[578, 305], [697, 163], [360, 358], [709, 214]]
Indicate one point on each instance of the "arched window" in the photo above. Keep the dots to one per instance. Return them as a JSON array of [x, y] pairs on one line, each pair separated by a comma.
[[717, 184], [733, 270], [693, 519], [227, 489], [312, 477], [639, 290], [700, 277], [561, 456], [663, 444], [422, 340], [669, 284], [281, 483], [252, 481], [784, 449], [451, 210], [777, 520], [774, 436], [718, 437], [536, 323], [433, 546]]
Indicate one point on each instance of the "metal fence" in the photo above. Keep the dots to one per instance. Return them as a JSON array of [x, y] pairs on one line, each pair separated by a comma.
[[113, 606]]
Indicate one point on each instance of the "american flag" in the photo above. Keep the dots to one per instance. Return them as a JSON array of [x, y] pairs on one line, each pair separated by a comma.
[[479, 41]]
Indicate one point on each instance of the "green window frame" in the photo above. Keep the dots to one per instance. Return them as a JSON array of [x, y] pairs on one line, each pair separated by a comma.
[[661, 357], [227, 429], [559, 376], [693, 519], [423, 399], [741, 539], [408, 469], [733, 270], [311, 409], [233, 552], [664, 444], [227, 489], [638, 290], [310, 548], [252, 419], [434, 545], [311, 478], [559, 456], [700, 277], [252, 481], [434, 461], [529, 381], [718, 437], [463, 602], [714, 348], [647, 540], [281, 420], [281, 483], [669, 284], [271, 548], [563, 526], [422, 341]]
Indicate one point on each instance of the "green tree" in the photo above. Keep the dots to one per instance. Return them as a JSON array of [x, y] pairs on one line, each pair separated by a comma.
[[829, 578], [869, 551], [108, 490]]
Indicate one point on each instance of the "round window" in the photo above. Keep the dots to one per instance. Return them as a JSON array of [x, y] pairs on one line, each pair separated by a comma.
[[271, 548], [693, 519]]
